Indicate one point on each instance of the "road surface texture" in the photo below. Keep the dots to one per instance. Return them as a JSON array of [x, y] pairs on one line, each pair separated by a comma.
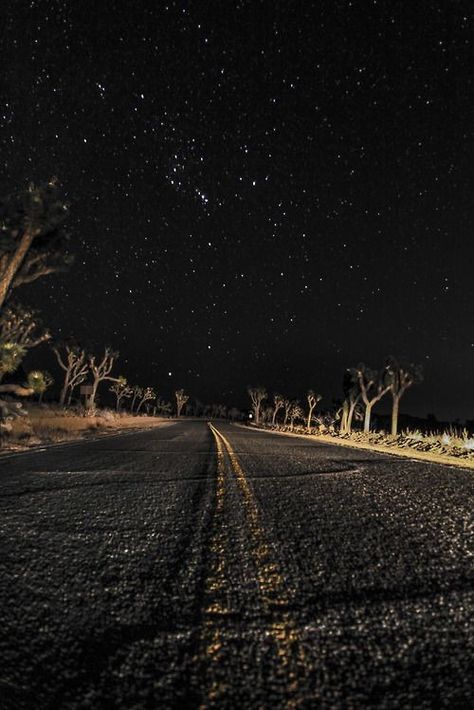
[[201, 566]]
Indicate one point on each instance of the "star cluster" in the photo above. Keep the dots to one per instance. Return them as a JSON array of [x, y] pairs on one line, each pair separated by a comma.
[[261, 191]]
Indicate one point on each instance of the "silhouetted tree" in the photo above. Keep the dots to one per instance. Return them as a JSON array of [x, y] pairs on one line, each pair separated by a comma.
[[162, 407], [198, 408], [400, 377], [352, 395], [278, 403], [313, 400], [257, 396], [39, 381], [287, 404], [373, 387], [147, 395], [181, 400], [100, 370], [73, 360], [295, 413], [122, 390], [219, 411], [136, 396], [20, 330], [215, 409], [32, 244]]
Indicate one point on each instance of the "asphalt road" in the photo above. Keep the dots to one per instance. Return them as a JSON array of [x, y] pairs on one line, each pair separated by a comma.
[[192, 567]]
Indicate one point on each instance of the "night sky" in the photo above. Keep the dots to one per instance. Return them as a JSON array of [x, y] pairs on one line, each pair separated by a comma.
[[261, 192]]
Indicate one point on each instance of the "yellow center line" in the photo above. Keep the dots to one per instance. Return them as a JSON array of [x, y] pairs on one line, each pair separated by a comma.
[[274, 593], [216, 585]]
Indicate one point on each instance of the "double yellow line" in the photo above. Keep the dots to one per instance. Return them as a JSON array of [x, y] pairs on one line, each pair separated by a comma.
[[269, 577], [275, 596]]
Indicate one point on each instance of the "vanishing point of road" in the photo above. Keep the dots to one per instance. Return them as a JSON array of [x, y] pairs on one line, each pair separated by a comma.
[[197, 565]]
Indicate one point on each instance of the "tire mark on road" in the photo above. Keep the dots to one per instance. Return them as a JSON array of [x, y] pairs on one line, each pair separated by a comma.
[[98, 647]]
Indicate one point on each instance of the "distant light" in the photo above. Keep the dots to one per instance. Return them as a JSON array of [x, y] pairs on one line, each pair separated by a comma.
[[169, 374]]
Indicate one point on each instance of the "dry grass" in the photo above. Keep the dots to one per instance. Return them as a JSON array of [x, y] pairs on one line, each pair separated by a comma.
[[453, 446], [47, 424]]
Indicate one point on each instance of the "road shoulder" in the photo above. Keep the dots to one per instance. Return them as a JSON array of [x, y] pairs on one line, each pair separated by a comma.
[[422, 456]]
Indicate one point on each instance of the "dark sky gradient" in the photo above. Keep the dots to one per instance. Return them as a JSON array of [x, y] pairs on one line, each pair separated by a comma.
[[262, 192]]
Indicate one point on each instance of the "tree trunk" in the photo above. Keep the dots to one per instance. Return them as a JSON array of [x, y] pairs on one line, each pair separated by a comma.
[[14, 264], [91, 398], [350, 417], [368, 411], [395, 408], [308, 426], [343, 428], [257, 415], [62, 396], [274, 416]]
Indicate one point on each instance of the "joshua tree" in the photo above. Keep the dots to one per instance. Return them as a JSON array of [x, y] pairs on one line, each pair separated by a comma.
[[372, 387], [295, 413], [400, 377], [218, 411], [100, 370], [137, 394], [32, 244], [39, 381], [278, 403], [20, 330], [313, 399], [198, 408], [162, 407], [287, 404], [181, 400], [146, 396], [18, 333], [257, 396], [75, 365], [352, 395], [121, 390]]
